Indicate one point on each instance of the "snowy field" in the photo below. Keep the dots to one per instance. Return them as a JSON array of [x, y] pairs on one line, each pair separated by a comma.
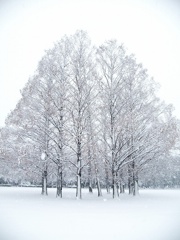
[[26, 215]]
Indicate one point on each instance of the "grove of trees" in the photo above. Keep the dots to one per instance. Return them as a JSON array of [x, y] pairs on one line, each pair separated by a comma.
[[89, 117]]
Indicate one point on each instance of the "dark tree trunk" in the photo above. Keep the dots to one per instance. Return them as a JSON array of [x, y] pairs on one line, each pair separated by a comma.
[[98, 187], [114, 184], [79, 187], [135, 184], [97, 179], [79, 165], [59, 182], [121, 182], [122, 187], [90, 173], [107, 180], [44, 183], [130, 178]]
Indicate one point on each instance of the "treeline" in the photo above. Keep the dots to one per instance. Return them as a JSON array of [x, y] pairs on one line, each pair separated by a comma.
[[89, 115]]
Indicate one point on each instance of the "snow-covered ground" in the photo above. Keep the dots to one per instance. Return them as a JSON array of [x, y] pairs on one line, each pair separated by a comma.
[[26, 215]]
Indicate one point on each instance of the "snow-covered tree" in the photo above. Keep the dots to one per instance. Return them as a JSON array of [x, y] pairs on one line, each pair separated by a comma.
[[88, 115], [82, 77]]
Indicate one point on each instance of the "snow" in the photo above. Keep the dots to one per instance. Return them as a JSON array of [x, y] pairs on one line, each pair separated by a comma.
[[27, 215]]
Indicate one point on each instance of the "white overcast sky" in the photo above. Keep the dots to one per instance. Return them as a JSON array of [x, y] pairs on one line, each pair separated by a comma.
[[149, 28]]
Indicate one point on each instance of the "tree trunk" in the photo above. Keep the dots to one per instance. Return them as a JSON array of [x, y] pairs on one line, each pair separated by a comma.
[[78, 188], [79, 163], [115, 194], [121, 182], [130, 186], [107, 180], [99, 187], [59, 182], [97, 179], [135, 184], [114, 185], [44, 183], [90, 173], [130, 179], [90, 186], [122, 188]]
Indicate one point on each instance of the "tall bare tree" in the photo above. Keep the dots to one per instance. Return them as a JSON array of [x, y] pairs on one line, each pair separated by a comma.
[[82, 76]]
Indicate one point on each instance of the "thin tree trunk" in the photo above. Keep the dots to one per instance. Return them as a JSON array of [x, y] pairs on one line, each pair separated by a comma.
[[107, 179], [89, 171], [59, 182], [130, 179], [79, 163], [122, 190], [44, 183], [44, 174], [90, 185], [114, 185], [98, 187], [117, 184], [78, 189], [121, 182], [97, 179], [135, 184], [136, 188]]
